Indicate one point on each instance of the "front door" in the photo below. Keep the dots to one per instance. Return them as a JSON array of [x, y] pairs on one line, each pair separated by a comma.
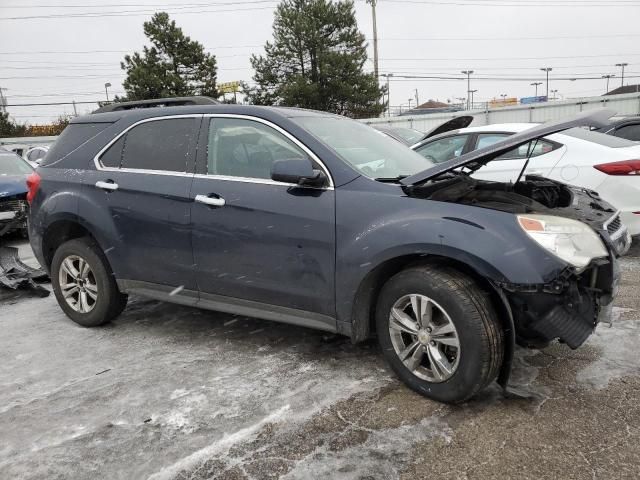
[[254, 238]]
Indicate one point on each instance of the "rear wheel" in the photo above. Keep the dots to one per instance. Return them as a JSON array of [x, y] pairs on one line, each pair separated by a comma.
[[439, 333], [84, 285]]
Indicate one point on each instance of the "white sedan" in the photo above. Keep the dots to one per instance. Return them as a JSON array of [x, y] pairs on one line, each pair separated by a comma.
[[604, 163]]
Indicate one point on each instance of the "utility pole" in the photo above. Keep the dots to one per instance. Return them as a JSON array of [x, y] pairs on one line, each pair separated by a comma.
[[535, 84], [608, 77], [547, 70], [622, 65], [75, 112], [106, 90], [3, 101], [468, 74], [375, 37], [417, 101], [472, 92], [410, 100]]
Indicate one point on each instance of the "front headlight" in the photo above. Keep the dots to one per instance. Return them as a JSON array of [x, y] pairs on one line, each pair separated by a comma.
[[572, 241]]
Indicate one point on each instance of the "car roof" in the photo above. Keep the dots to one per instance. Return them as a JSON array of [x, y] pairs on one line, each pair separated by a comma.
[[253, 110]]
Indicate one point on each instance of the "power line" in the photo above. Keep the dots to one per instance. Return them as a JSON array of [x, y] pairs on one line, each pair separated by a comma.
[[14, 52]]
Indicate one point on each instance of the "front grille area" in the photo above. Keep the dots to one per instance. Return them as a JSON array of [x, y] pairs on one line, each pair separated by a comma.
[[614, 225], [14, 206]]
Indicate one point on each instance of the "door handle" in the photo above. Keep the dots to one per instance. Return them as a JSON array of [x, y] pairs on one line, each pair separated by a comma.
[[212, 201], [108, 185]]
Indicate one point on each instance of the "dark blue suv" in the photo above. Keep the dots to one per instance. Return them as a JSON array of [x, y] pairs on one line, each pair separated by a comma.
[[317, 220]]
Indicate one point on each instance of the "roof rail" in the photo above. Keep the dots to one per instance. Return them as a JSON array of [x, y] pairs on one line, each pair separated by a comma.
[[159, 102]]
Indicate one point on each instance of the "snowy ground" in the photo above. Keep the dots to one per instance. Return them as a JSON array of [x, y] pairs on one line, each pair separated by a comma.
[[169, 392]]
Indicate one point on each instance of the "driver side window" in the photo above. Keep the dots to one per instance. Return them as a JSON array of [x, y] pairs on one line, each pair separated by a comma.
[[444, 149], [246, 148]]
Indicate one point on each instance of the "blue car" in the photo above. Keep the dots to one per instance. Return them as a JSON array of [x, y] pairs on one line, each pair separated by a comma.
[[320, 221], [13, 192]]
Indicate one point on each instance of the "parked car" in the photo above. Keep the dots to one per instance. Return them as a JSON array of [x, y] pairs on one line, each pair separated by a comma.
[[35, 154], [319, 221], [410, 136], [589, 159], [13, 192], [623, 127]]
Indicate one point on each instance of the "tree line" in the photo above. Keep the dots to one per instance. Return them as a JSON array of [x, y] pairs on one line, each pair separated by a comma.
[[315, 60]]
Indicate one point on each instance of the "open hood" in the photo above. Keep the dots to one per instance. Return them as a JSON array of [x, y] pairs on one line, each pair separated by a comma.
[[593, 118], [453, 124]]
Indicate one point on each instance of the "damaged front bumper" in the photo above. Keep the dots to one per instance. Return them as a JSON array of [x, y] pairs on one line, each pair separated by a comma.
[[567, 308]]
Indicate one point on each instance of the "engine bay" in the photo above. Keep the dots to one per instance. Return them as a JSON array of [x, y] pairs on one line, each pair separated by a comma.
[[533, 194]]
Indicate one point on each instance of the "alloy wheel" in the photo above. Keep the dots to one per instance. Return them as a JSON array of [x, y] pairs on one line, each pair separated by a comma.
[[78, 284], [424, 338]]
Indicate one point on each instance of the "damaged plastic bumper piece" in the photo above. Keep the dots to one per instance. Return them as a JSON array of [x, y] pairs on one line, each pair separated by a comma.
[[16, 274]]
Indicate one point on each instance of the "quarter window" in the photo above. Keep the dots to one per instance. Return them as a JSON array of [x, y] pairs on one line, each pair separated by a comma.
[[157, 145], [245, 148]]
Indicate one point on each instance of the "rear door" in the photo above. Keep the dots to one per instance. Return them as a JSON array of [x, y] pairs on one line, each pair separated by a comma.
[[143, 178], [544, 153], [260, 240]]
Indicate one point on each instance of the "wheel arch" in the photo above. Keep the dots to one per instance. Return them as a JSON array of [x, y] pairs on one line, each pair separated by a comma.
[[364, 305], [60, 231]]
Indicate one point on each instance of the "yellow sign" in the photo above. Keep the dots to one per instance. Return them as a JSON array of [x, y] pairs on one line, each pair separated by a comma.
[[505, 102], [229, 87]]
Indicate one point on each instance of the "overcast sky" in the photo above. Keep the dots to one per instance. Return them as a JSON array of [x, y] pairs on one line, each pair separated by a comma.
[[67, 49]]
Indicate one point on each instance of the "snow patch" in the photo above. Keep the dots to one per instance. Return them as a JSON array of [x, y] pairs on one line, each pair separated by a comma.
[[620, 353], [380, 456], [221, 446]]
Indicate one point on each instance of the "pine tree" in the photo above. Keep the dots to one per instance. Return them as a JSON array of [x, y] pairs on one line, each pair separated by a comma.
[[316, 61], [173, 66]]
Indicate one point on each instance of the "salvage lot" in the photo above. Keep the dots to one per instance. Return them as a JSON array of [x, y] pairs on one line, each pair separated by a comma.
[[174, 392]]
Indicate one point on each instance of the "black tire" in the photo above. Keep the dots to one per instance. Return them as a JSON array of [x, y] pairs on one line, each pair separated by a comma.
[[478, 329], [110, 301]]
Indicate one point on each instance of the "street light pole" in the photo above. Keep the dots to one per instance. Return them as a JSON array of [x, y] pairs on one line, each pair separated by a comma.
[[535, 84], [472, 92], [468, 74], [106, 90], [608, 77], [375, 37], [622, 65], [503, 95], [388, 75], [547, 70], [554, 93]]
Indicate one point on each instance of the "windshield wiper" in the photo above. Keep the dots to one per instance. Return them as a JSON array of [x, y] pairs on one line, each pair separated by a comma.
[[390, 179]]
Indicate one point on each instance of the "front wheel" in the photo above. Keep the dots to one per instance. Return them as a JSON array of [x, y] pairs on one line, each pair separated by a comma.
[[84, 285], [439, 333]]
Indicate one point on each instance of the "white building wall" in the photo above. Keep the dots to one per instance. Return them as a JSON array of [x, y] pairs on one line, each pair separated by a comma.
[[627, 104]]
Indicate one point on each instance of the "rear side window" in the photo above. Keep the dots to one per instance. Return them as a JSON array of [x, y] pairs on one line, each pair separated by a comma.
[[531, 149], [599, 138], [72, 137], [443, 149], [163, 145]]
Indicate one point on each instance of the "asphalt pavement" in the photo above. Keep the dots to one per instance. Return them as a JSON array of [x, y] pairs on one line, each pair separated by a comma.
[[170, 392]]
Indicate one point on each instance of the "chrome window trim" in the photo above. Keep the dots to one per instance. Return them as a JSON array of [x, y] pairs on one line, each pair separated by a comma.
[[100, 167], [265, 181]]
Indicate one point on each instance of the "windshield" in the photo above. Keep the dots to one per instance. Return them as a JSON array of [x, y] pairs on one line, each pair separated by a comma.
[[410, 135], [11, 164], [369, 151]]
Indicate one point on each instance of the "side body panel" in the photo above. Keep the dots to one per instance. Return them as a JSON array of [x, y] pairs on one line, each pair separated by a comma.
[[377, 222]]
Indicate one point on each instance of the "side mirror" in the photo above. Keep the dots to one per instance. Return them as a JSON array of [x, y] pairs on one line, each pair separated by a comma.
[[297, 170]]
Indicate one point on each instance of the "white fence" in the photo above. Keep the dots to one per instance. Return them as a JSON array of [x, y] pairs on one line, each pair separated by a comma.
[[626, 104]]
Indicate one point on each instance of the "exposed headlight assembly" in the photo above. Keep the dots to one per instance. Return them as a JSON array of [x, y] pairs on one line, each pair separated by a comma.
[[572, 241]]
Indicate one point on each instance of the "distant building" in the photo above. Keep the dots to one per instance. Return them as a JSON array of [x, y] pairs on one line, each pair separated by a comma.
[[625, 89], [431, 106]]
